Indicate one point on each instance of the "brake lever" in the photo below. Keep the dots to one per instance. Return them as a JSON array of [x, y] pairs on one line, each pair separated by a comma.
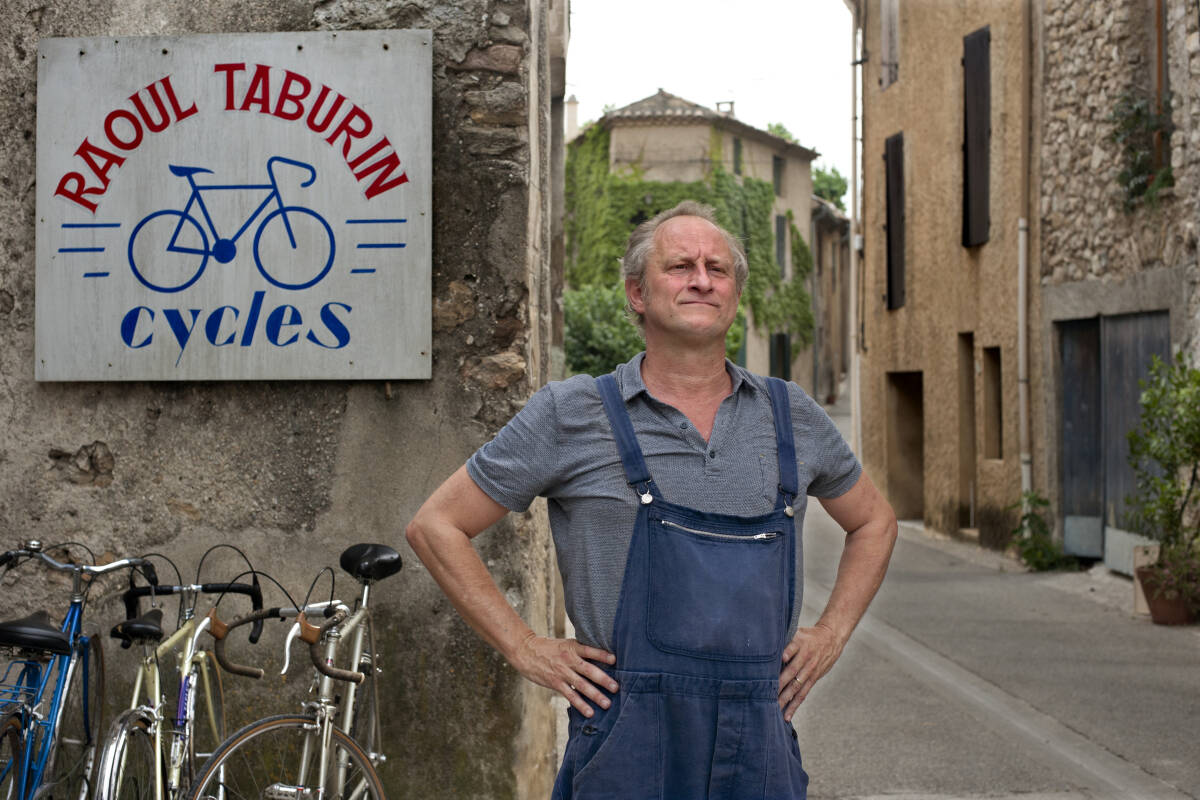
[[287, 647]]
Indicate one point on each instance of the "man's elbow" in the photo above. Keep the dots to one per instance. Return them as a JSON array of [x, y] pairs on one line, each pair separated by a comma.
[[417, 536]]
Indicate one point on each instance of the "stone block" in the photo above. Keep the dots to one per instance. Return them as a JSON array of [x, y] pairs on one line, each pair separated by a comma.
[[502, 58]]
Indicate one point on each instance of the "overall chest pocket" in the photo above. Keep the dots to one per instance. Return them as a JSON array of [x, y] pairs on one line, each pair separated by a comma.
[[717, 594]]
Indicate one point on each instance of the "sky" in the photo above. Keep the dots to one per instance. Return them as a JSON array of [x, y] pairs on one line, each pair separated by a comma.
[[782, 61]]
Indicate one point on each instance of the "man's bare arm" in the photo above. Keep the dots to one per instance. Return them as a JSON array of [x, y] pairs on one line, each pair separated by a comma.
[[441, 534], [870, 526]]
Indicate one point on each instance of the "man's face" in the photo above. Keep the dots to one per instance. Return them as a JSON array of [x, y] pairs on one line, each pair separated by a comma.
[[690, 287]]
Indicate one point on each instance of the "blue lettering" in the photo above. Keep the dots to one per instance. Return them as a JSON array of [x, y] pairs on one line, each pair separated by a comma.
[[129, 326], [252, 318], [182, 331], [276, 322], [212, 328], [335, 326]]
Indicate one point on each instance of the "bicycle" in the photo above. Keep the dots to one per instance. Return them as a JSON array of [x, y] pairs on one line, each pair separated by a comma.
[[52, 690], [146, 753], [311, 755], [304, 228]]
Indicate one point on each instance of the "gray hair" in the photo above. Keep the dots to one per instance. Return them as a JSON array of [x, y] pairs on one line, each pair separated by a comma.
[[641, 245]]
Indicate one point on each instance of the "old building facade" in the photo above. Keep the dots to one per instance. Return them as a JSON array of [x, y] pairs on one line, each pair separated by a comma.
[[1012, 293], [295, 471]]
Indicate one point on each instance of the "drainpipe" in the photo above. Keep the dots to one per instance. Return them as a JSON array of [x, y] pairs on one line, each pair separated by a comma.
[[855, 388], [1023, 258]]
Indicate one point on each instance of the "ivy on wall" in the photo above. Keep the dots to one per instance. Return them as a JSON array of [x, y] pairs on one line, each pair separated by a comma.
[[603, 208]]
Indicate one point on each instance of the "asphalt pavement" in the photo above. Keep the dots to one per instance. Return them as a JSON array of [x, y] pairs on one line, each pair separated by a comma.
[[972, 678]]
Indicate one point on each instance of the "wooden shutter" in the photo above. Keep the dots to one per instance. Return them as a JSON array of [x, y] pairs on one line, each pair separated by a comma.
[[893, 154], [781, 233], [977, 136]]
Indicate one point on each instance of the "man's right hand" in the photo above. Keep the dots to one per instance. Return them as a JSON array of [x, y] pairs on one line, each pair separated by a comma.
[[564, 666]]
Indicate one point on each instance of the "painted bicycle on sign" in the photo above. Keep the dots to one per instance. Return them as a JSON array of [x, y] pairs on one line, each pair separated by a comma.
[[293, 245]]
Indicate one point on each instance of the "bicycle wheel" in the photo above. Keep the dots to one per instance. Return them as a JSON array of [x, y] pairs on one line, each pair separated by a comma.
[[12, 745], [128, 768], [171, 254], [70, 767], [267, 758], [208, 718], [301, 242]]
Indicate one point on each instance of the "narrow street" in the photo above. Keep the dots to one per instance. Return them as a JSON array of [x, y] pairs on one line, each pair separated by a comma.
[[972, 678]]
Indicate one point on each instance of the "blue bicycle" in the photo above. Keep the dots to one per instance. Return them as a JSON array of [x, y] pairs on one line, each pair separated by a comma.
[[51, 689], [169, 249]]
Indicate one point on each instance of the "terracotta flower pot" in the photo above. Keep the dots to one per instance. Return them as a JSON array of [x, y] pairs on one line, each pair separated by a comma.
[[1164, 610]]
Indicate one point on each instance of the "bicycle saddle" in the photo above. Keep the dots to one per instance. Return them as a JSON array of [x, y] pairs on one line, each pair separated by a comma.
[[146, 628], [370, 562], [183, 172], [36, 632]]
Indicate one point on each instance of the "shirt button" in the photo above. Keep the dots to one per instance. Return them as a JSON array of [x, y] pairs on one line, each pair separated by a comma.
[[712, 453], [683, 426]]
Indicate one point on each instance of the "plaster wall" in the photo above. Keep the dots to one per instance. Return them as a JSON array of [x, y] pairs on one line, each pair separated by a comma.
[[293, 472], [676, 152], [950, 289]]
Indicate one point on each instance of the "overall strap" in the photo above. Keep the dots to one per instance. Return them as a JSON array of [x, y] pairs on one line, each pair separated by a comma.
[[785, 444], [631, 454]]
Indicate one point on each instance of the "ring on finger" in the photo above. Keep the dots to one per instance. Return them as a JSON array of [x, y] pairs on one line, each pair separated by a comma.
[[796, 680], [571, 686]]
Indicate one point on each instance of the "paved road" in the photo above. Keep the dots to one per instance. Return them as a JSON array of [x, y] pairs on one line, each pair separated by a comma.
[[971, 678]]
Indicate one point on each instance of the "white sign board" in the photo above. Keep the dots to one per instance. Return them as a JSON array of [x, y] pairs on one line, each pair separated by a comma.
[[234, 207]]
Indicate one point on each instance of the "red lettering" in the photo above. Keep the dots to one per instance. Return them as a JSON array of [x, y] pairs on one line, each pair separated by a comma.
[[73, 187], [110, 130], [163, 120], [347, 126], [259, 92], [286, 96], [90, 152], [229, 69], [383, 181], [180, 114], [364, 155], [319, 127]]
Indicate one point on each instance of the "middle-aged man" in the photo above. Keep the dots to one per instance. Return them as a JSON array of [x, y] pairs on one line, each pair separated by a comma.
[[676, 490]]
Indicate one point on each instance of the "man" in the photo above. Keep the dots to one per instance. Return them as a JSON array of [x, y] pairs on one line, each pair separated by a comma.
[[676, 493]]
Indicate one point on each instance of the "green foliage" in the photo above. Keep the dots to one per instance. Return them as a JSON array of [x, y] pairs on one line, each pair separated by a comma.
[[603, 208], [598, 335], [780, 130], [1164, 451], [1035, 545], [830, 185], [1177, 572], [1137, 123]]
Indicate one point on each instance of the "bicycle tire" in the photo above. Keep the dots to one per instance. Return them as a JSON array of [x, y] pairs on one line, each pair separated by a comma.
[[203, 253], [12, 746], [262, 760], [126, 769], [281, 213], [69, 769], [207, 733]]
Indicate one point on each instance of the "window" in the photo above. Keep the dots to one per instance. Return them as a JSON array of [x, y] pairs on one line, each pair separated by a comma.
[[737, 156], [977, 136], [781, 232], [889, 43], [893, 154], [777, 165], [781, 356], [993, 439]]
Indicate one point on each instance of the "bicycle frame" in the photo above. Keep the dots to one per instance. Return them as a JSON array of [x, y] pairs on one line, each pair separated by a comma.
[[196, 198]]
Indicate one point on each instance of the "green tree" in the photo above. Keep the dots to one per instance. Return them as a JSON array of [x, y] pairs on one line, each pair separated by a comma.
[[830, 185], [780, 130]]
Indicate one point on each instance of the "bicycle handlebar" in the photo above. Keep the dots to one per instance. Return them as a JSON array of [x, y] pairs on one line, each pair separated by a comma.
[[86, 569], [252, 590], [312, 173], [310, 633]]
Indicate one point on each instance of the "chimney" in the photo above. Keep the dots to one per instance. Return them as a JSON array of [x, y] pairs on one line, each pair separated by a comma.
[[725, 107], [572, 118]]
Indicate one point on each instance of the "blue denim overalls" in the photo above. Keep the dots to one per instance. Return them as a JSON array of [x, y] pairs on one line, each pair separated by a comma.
[[701, 625]]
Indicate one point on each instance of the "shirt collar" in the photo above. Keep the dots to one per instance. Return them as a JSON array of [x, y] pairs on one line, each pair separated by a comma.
[[629, 378]]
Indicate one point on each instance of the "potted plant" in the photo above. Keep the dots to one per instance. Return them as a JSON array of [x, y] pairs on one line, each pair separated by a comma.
[[1164, 451]]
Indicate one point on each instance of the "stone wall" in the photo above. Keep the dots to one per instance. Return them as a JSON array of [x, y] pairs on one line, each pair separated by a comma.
[[295, 471], [1094, 53]]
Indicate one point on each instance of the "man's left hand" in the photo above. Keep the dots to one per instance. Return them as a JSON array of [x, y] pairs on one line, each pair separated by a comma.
[[809, 655]]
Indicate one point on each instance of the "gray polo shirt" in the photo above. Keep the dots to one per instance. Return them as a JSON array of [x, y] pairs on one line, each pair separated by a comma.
[[560, 446]]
